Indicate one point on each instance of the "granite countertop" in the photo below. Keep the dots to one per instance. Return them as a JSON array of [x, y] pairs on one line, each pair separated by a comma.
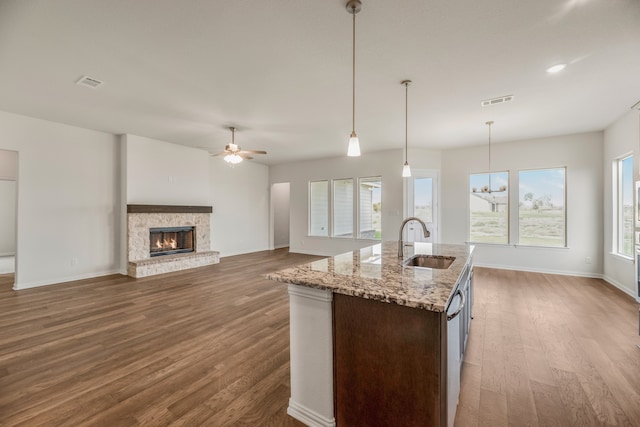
[[376, 273]]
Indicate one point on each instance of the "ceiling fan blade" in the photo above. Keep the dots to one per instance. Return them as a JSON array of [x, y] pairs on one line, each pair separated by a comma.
[[254, 151], [244, 156], [222, 153]]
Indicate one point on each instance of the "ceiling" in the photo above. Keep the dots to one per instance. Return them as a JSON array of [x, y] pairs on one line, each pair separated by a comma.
[[280, 70]]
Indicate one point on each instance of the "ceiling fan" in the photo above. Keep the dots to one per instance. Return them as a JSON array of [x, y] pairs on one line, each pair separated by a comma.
[[233, 153]]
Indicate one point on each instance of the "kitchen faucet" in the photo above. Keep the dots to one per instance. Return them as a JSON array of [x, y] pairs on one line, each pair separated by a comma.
[[400, 242]]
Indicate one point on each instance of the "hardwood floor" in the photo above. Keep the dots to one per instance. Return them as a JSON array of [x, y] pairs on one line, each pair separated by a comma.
[[211, 347], [548, 350], [205, 347]]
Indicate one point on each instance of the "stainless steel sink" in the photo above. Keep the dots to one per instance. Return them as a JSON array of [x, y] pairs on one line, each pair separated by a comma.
[[429, 261]]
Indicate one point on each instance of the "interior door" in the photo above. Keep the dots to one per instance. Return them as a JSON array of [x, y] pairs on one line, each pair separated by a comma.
[[421, 200]]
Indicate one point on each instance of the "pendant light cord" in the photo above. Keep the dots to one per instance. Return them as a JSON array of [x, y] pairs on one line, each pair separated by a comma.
[[406, 121], [353, 93], [489, 123]]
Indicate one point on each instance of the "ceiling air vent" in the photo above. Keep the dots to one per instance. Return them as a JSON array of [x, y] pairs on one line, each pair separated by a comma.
[[498, 100], [89, 82]]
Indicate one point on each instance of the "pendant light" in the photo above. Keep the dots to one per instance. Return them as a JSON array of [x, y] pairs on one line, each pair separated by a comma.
[[489, 189], [406, 170], [353, 7]]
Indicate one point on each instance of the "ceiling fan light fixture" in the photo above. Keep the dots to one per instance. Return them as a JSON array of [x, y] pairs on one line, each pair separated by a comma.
[[353, 7], [232, 159]]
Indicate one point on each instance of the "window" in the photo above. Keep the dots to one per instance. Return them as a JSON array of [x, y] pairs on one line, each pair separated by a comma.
[[542, 216], [343, 208], [340, 198], [623, 206], [370, 218], [489, 207], [423, 198], [319, 208]]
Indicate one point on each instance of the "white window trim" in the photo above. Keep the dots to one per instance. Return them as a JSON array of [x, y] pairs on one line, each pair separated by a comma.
[[617, 212]]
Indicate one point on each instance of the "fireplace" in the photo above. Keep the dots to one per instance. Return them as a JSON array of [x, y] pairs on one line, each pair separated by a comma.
[[181, 233], [171, 240]]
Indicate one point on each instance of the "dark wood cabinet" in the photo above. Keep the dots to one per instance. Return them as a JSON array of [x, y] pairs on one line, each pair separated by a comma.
[[389, 364], [396, 365]]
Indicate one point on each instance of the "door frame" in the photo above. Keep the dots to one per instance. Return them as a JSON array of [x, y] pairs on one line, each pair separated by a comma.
[[408, 185]]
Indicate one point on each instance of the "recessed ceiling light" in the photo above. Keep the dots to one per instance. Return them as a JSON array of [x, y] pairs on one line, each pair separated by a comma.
[[556, 68]]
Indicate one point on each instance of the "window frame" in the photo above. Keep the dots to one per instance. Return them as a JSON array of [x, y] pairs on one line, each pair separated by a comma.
[[566, 224], [333, 208], [310, 207], [508, 207], [618, 234], [358, 207]]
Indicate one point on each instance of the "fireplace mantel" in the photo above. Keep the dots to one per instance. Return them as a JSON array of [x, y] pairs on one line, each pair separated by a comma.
[[168, 209]]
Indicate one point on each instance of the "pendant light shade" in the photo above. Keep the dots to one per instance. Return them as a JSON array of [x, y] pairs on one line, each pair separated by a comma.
[[353, 7], [354, 145], [406, 169]]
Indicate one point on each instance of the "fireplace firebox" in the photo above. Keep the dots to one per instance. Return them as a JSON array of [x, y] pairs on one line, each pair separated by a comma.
[[171, 240]]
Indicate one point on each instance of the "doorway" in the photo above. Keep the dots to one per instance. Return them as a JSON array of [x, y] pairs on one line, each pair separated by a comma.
[[421, 201], [280, 206], [8, 209]]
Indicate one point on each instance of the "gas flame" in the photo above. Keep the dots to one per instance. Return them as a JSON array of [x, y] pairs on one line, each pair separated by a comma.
[[166, 244]]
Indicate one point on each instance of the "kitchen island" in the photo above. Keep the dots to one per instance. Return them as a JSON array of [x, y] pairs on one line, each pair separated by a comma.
[[375, 341]]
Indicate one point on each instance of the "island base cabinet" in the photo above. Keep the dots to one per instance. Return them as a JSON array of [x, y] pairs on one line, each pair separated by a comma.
[[389, 364]]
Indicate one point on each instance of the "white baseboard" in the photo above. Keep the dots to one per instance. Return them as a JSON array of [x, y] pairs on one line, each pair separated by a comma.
[[60, 280], [281, 246], [564, 273], [540, 270], [620, 286], [307, 416]]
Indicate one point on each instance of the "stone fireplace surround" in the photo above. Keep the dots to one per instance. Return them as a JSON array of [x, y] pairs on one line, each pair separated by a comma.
[[140, 218]]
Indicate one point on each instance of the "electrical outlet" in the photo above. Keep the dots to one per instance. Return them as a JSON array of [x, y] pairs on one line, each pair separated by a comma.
[[74, 261], [587, 260]]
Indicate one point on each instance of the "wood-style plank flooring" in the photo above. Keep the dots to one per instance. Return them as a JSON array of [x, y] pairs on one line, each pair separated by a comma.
[[205, 347], [549, 350], [210, 347]]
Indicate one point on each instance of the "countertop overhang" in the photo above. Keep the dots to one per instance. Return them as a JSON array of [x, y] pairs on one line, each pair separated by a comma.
[[376, 273]]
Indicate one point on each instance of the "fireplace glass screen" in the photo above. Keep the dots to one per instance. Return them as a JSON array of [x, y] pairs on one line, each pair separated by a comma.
[[171, 240]]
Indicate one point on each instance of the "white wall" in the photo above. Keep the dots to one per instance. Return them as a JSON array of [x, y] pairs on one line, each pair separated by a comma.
[[387, 164], [581, 154], [240, 198], [68, 200], [161, 173], [622, 137], [8, 165], [280, 208]]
